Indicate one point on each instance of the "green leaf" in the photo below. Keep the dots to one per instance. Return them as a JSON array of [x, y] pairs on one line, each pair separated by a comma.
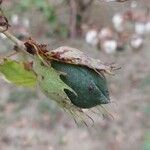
[[91, 88], [16, 73]]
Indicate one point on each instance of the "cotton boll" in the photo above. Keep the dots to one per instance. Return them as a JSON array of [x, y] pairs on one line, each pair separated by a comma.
[[140, 28], [117, 21], [26, 22], [3, 36], [136, 41], [147, 27], [105, 33], [15, 19], [134, 4], [109, 46], [91, 37]]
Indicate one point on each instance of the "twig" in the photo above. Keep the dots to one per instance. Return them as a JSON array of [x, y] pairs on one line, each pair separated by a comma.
[[20, 45], [73, 18], [4, 24]]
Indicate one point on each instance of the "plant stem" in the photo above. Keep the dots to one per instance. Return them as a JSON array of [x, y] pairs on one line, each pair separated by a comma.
[[20, 45], [73, 18]]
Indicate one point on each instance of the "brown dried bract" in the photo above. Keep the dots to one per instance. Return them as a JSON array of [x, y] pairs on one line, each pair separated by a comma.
[[74, 56], [69, 55], [28, 65], [34, 48]]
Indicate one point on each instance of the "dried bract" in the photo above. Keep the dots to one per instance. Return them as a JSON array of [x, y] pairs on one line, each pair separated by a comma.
[[69, 55], [74, 56]]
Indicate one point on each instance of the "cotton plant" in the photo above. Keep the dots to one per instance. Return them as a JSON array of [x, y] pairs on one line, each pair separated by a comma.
[[65, 75]]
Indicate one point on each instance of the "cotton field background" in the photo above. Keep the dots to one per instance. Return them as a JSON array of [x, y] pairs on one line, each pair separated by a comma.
[[114, 32]]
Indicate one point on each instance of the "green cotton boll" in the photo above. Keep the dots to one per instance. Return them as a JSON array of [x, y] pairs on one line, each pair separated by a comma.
[[52, 86], [91, 88], [50, 83]]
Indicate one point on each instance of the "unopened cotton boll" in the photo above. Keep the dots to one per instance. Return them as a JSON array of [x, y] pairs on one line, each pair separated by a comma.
[[117, 21], [136, 41], [91, 37], [109, 46], [139, 28]]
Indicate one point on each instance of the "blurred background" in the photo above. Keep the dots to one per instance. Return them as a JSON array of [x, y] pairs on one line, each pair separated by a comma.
[[112, 32]]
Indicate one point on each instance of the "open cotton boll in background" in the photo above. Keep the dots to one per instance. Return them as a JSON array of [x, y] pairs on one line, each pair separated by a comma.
[[140, 28], [147, 27], [134, 4], [104, 33], [109, 46], [26, 22], [117, 21], [91, 37], [136, 41], [15, 19], [3, 36]]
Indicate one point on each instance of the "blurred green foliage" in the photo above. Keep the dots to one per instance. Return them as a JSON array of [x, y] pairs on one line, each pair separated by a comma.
[[147, 141], [48, 11], [146, 87], [146, 81], [147, 109]]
